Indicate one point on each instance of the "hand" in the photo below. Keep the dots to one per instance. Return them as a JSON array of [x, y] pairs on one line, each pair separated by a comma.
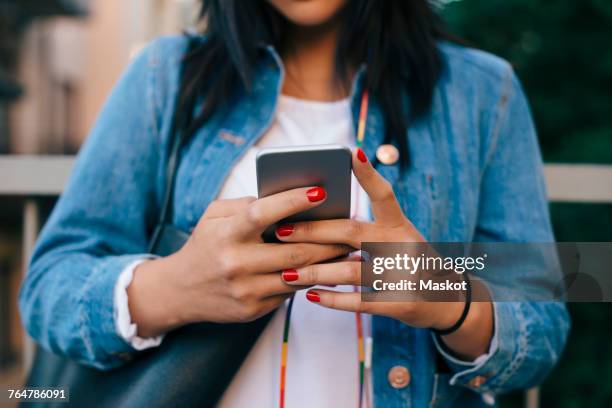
[[225, 272], [390, 225]]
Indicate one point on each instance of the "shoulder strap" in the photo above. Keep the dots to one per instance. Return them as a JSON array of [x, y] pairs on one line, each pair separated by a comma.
[[165, 215]]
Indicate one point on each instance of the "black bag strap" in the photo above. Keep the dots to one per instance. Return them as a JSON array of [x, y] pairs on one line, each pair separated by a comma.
[[171, 170], [164, 228]]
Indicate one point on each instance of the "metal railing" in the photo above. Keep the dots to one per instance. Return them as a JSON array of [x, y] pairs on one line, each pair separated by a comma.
[[30, 178]]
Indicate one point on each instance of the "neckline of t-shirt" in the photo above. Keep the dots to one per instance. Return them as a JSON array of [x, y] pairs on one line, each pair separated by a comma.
[[331, 108]]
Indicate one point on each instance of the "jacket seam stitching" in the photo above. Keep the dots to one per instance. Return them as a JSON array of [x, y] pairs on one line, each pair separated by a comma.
[[502, 109]]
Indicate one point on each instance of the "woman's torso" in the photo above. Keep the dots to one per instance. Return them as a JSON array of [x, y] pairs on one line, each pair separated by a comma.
[[438, 191]]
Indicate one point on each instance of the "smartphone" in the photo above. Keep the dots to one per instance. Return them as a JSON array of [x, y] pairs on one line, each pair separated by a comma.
[[285, 168]]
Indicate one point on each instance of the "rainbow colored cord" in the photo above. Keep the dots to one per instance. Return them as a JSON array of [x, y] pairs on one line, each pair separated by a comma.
[[363, 114], [285, 351]]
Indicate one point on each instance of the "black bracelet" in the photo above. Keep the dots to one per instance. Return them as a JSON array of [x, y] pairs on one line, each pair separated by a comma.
[[466, 310]]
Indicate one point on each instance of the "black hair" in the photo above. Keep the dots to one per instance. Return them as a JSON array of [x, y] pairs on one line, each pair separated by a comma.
[[397, 40]]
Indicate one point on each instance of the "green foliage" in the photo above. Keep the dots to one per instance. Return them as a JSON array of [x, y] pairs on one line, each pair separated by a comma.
[[562, 51]]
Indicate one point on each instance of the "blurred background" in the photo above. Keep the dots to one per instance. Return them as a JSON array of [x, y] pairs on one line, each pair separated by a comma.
[[59, 59]]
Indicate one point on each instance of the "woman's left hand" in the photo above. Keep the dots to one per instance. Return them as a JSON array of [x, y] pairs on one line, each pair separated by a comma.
[[390, 225]]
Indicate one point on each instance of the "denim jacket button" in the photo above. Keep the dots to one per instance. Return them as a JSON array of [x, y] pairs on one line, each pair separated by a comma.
[[387, 154], [399, 377]]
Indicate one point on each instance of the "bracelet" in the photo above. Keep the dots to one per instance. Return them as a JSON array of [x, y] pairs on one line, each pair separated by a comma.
[[466, 310]]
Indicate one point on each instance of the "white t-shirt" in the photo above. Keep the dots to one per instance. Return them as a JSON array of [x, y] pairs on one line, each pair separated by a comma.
[[322, 362]]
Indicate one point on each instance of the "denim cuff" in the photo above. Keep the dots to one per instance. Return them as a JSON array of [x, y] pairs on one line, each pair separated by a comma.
[[97, 313], [489, 372]]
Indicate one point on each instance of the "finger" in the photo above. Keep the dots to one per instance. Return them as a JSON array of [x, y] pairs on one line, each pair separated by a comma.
[[347, 301], [335, 273], [349, 232], [270, 284], [271, 209], [227, 208], [385, 207], [354, 256], [278, 257]]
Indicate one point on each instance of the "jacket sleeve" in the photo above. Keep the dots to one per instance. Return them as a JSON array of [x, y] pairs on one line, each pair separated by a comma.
[[528, 336], [100, 225]]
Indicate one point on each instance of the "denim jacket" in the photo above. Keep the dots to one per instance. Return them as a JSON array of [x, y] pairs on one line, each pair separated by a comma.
[[475, 175]]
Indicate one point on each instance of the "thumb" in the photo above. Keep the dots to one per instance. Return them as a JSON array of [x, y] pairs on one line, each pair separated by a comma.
[[385, 207]]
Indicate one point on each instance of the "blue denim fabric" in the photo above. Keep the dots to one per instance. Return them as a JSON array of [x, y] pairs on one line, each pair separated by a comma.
[[476, 175]]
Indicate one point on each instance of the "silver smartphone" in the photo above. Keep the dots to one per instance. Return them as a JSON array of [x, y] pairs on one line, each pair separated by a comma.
[[328, 166]]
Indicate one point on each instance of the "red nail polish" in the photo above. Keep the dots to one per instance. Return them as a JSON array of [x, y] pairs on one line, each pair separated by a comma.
[[316, 194], [313, 296], [290, 275], [361, 156], [285, 230]]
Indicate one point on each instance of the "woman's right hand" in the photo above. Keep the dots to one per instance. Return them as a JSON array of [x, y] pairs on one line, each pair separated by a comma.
[[225, 272]]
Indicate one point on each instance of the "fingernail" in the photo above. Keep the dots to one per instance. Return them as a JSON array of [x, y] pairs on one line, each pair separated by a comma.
[[313, 296], [290, 275], [285, 230], [361, 156], [316, 194]]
